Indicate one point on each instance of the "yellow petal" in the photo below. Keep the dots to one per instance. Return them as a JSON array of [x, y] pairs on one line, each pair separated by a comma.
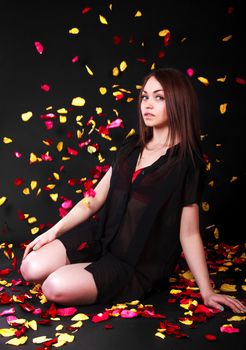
[[186, 322], [131, 132], [138, 14], [63, 119], [103, 90], [80, 133], [41, 339], [91, 149], [80, 317], [56, 176], [34, 230], [62, 110], [2, 200], [113, 148], [226, 38], [243, 287], [99, 110], [222, 80], [59, 146], [160, 335], [7, 140], [33, 184], [203, 80], [17, 341], [59, 327], [33, 158], [77, 324], [164, 32], [134, 302], [33, 325], [74, 31], [123, 66], [236, 318], [78, 101], [89, 70], [226, 287], [26, 116], [7, 332], [54, 196], [175, 291], [103, 19], [115, 71], [32, 219], [234, 178], [51, 186], [188, 275], [85, 202], [223, 108], [26, 191]]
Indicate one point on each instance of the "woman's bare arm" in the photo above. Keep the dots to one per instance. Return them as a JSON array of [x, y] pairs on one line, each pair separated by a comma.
[[193, 250], [82, 211]]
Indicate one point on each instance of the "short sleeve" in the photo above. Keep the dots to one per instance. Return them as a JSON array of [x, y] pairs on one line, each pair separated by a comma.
[[194, 184]]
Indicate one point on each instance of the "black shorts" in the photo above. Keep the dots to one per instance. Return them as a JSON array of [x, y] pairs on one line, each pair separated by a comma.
[[116, 280]]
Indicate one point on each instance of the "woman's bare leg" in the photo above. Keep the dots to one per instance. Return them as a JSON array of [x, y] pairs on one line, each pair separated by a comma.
[[41, 263], [71, 285]]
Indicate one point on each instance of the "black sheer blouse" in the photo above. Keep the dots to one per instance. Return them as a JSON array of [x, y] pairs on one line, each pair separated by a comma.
[[140, 224]]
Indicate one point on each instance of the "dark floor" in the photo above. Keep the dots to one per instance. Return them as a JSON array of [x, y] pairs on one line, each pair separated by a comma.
[[121, 333]]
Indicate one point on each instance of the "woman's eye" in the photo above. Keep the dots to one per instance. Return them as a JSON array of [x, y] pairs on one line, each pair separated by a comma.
[[159, 97], [144, 97]]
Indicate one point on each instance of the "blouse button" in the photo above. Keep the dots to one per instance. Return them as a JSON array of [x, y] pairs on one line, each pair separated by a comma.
[[142, 172]]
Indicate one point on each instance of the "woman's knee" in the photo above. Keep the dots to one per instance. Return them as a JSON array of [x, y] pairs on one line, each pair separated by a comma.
[[52, 288], [31, 270]]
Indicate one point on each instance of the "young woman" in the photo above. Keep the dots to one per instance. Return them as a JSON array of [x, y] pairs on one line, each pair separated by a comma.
[[150, 211]]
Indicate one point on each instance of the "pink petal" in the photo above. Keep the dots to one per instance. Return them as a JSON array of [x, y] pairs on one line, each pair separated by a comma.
[[39, 47], [67, 311]]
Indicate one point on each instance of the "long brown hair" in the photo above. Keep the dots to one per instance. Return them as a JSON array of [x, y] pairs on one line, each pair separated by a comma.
[[182, 111]]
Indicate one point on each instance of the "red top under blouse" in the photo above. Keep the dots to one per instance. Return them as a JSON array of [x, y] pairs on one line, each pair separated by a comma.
[[135, 174]]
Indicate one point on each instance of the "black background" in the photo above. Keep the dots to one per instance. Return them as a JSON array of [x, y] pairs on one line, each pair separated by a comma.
[[196, 32]]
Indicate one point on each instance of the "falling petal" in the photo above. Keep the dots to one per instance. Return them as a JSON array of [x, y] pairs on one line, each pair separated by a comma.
[[138, 14], [39, 47], [59, 146], [74, 31], [115, 71], [63, 119], [18, 155], [227, 38], [86, 10], [123, 66], [103, 19], [75, 59], [54, 196], [203, 80], [78, 101], [26, 116], [45, 87], [34, 230], [223, 108], [240, 81], [2, 200], [7, 140], [103, 90], [89, 70], [190, 72]]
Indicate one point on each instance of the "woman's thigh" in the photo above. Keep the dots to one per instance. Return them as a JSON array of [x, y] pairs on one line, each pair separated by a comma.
[[40, 263], [71, 285]]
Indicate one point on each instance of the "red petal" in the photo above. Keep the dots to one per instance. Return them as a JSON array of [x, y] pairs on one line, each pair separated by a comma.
[[210, 337]]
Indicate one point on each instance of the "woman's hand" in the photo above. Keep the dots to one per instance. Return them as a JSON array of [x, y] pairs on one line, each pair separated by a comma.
[[218, 300], [41, 240]]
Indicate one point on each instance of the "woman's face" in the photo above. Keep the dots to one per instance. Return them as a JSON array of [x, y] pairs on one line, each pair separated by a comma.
[[153, 104]]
